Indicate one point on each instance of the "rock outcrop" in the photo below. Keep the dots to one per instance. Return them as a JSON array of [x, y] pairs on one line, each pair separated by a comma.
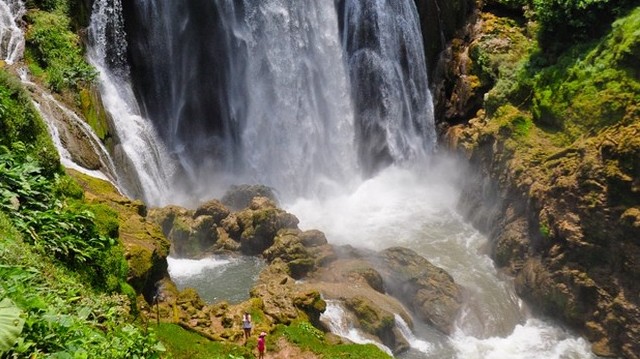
[[561, 210], [303, 270], [146, 249]]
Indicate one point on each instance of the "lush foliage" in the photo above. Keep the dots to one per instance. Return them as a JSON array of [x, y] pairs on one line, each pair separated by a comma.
[[564, 21], [66, 232], [54, 49], [20, 122], [62, 317], [592, 87]]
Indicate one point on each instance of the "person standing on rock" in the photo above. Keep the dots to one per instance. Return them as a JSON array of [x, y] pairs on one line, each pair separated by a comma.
[[261, 345], [246, 326]]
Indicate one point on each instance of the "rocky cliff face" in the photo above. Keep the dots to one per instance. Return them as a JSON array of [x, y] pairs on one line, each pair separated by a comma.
[[562, 210]]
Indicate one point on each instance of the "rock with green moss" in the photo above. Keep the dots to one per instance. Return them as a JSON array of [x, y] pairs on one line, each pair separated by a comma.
[[554, 184], [259, 223], [378, 322], [193, 234], [146, 248]]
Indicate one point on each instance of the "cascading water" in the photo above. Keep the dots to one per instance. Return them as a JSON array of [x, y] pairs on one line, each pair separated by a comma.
[[63, 124], [251, 90], [144, 166], [11, 35], [272, 92], [388, 72]]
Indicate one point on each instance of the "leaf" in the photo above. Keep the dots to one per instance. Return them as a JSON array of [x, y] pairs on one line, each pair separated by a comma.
[[10, 324]]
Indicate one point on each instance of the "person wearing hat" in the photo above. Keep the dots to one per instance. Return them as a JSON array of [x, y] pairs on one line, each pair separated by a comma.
[[261, 345]]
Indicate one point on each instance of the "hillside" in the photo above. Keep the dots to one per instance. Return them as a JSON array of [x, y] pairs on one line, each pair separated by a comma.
[[550, 130]]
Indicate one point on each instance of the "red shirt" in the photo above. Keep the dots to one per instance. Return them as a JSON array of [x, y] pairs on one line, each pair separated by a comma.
[[261, 344]]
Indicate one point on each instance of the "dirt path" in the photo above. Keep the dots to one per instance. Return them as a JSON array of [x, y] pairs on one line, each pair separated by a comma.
[[284, 350]]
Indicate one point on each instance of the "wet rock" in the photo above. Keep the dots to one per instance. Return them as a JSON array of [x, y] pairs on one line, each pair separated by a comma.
[[213, 208], [239, 197], [428, 290], [259, 224]]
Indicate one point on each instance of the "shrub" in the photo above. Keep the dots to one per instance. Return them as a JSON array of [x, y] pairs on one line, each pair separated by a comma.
[[67, 233], [57, 50], [20, 124], [568, 21]]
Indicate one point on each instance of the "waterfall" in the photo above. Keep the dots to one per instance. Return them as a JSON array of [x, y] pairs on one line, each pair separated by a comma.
[[246, 91], [144, 165], [307, 97], [418, 344], [390, 89], [11, 35], [67, 129]]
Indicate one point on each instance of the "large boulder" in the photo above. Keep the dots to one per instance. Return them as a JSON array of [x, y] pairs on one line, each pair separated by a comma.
[[257, 225], [192, 233], [239, 197], [428, 290]]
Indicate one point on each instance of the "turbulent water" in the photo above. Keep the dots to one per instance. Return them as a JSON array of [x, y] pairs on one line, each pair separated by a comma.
[[415, 208]]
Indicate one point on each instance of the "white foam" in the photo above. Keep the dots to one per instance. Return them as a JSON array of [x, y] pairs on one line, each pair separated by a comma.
[[533, 340], [183, 268]]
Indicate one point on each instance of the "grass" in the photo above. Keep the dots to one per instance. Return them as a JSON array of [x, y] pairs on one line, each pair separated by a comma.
[[307, 337], [181, 343]]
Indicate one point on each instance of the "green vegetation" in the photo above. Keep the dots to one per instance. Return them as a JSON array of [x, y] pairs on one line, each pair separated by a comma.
[[61, 265], [64, 318], [53, 50], [181, 343], [67, 232], [591, 88], [567, 21], [307, 337], [20, 123]]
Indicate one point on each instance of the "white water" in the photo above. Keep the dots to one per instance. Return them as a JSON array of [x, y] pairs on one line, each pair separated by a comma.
[[337, 320], [416, 344], [143, 162], [299, 134], [11, 35], [58, 117], [388, 73], [416, 209]]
